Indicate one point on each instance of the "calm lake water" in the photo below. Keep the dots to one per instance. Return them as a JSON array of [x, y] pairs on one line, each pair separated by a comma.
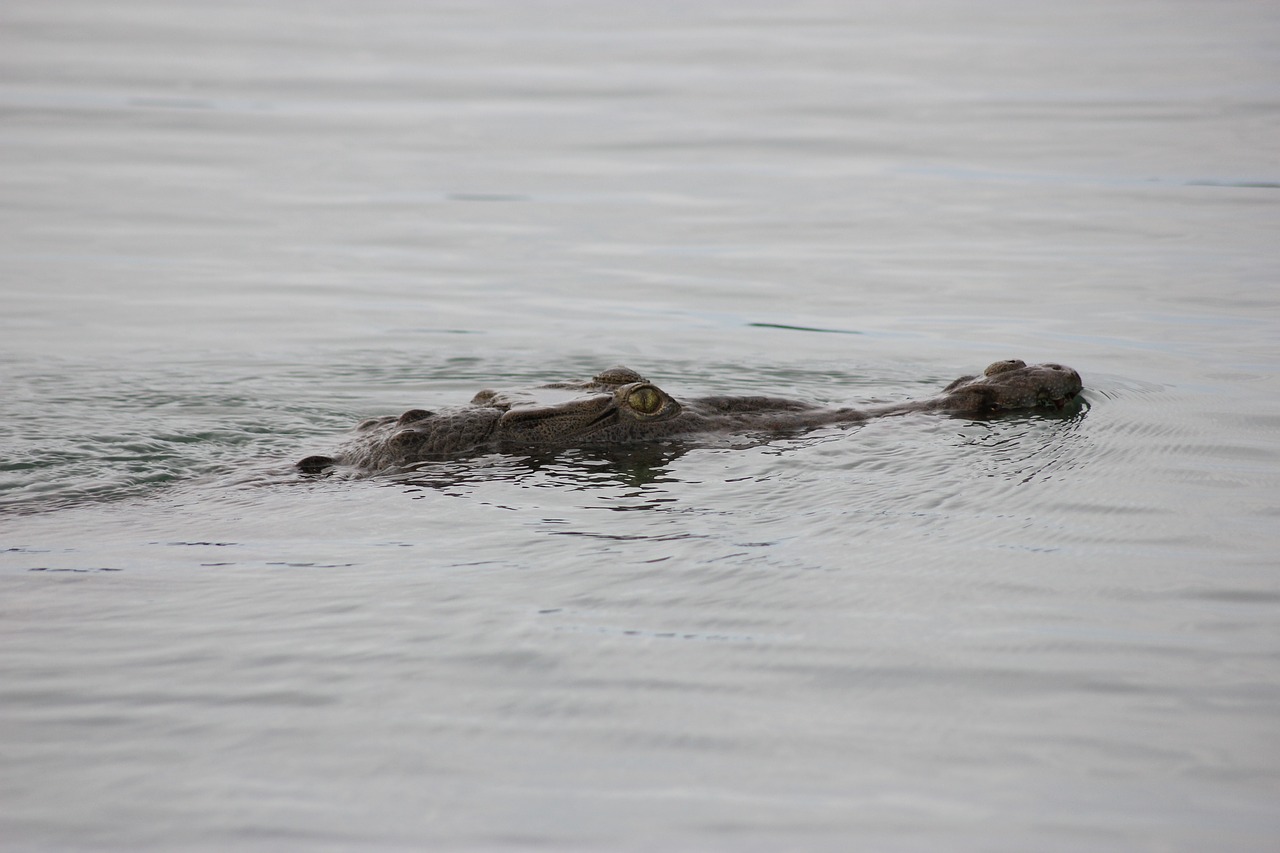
[[230, 231]]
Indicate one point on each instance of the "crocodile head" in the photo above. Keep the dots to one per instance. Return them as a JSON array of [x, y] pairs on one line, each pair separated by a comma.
[[619, 407]]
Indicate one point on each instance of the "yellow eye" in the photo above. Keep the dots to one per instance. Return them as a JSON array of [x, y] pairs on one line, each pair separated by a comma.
[[645, 400]]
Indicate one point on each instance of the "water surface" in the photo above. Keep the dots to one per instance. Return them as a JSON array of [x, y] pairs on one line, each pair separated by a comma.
[[228, 234]]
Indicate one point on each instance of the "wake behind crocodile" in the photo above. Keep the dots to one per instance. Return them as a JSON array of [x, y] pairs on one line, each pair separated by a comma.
[[620, 408]]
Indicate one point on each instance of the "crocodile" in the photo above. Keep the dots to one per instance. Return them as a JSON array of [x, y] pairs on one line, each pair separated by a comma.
[[619, 407]]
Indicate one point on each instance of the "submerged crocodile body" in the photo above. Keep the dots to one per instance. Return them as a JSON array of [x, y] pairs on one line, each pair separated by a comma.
[[620, 407]]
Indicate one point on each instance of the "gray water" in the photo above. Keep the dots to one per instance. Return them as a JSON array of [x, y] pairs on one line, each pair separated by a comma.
[[230, 231]]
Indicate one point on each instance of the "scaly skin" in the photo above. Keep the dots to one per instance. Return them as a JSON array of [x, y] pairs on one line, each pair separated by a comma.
[[620, 407]]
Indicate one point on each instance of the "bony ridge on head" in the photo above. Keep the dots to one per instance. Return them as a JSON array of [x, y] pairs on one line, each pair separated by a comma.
[[618, 375]]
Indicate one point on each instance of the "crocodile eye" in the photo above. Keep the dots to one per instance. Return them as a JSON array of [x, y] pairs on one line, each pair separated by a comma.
[[646, 400]]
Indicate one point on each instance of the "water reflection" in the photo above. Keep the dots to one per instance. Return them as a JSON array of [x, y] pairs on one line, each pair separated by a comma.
[[1022, 448], [636, 467]]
